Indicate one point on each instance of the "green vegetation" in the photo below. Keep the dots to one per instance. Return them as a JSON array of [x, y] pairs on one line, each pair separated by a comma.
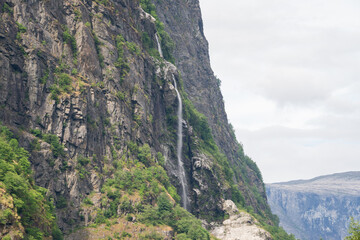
[[56, 147], [70, 39], [165, 213], [120, 95], [121, 62], [61, 202], [140, 173], [62, 85], [278, 233], [87, 201], [133, 48], [354, 230], [218, 81], [207, 144], [7, 8], [167, 44], [149, 45], [21, 29], [153, 235], [78, 14], [36, 213], [63, 82], [83, 161], [98, 44], [102, 2], [45, 77], [81, 166], [74, 72]]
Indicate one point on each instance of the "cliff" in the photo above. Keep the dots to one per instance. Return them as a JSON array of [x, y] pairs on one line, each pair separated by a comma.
[[91, 90], [317, 208]]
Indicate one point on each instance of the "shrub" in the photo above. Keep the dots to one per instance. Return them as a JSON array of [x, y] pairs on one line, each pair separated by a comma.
[[15, 177], [144, 155], [21, 28], [98, 44], [88, 201], [45, 77], [7, 8], [120, 95], [62, 84], [56, 147], [133, 48], [354, 230], [61, 202], [121, 62], [149, 45], [70, 39], [83, 160], [153, 235], [125, 234]]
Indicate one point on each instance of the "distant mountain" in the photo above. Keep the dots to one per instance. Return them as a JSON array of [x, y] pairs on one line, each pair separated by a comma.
[[317, 208]]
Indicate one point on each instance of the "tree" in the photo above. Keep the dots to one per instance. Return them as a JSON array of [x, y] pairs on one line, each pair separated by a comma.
[[354, 230]]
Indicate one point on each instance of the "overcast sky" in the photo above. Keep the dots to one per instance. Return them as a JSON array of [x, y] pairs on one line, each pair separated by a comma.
[[290, 74]]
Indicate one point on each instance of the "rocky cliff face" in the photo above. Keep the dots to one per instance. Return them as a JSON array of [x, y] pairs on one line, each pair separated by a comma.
[[317, 208], [183, 21], [85, 90]]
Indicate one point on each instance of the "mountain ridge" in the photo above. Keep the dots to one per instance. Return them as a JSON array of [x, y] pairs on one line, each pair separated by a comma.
[[318, 207], [337, 183]]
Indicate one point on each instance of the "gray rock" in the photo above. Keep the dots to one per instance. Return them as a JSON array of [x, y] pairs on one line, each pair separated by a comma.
[[239, 226]]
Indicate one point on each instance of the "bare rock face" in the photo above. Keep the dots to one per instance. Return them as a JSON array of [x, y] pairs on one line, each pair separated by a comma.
[[87, 73], [240, 226]]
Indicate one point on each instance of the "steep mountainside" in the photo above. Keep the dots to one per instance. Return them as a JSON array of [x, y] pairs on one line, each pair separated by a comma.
[[182, 20], [320, 207], [93, 90]]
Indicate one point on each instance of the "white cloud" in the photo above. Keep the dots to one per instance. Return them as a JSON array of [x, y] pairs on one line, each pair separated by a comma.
[[290, 81]]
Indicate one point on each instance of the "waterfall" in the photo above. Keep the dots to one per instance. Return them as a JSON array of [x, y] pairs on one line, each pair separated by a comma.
[[158, 45], [181, 170]]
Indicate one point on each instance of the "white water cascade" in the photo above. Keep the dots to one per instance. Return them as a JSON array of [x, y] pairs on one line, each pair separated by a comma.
[[181, 170], [158, 45]]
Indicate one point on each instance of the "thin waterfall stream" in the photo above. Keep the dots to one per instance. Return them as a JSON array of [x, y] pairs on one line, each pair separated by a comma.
[[179, 145], [158, 45], [181, 170]]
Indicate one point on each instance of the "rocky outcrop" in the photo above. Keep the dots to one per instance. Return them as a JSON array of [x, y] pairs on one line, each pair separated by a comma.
[[317, 208], [239, 226]]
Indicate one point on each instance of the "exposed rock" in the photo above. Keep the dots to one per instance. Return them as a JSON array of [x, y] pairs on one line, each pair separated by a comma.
[[66, 75], [239, 226]]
